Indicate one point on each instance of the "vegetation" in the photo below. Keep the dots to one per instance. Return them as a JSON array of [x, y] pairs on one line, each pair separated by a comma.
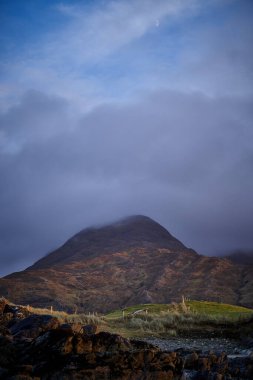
[[196, 308], [69, 318], [162, 319], [174, 319], [219, 310]]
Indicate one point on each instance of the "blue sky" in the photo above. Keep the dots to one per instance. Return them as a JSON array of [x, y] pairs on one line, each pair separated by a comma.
[[112, 50], [111, 108]]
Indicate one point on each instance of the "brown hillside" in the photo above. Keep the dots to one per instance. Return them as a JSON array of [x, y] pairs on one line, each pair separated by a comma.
[[132, 261]]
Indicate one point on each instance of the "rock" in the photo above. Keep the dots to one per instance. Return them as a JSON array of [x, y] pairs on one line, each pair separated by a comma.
[[191, 361], [204, 364], [56, 342], [40, 347], [10, 309], [8, 352], [89, 329], [77, 328], [3, 373], [76, 356], [66, 327], [33, 326], [4, 331], [105, 341], [140, 344], [3, 302], [82, 344]]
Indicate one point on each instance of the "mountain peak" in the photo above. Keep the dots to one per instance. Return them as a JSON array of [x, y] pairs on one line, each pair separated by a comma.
[[135, 231]]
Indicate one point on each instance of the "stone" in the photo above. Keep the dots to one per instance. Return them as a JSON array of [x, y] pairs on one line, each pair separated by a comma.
[[40, 347], [105, 341], [191, 361], [89, 329], [3, 302], [82, 344], [33, 326]]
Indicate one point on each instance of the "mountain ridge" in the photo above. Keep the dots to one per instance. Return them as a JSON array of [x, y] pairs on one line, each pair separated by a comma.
[[128, 232]]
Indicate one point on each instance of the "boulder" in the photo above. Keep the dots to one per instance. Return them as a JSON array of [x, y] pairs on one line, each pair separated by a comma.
[[105, 341], [191, 361], [33, 326], [8, 352], [3, 302], [10, 309], [82, 344], [89, 329]]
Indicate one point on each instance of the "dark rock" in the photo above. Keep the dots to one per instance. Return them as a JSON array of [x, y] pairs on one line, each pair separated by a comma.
[[66, 327], [33, 326], [3, 373], [76, 356], [140, 344], [89, 329], [10, 309], [8, 352], [4, 331], [191, 361], [3, 302], [56, 342], [82, 344], [105, 341], [50, 350]]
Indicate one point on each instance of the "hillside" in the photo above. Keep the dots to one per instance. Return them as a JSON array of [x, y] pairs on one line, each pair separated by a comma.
[[133, 261]]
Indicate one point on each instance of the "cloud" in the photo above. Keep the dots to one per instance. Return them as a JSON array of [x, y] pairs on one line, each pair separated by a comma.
[[218, 58], [113, 50], [108, 115], [28, 122], [183, 159], [112, 25]]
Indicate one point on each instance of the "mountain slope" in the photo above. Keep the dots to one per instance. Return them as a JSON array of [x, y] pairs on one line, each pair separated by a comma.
[[132, 261], [131, 232]]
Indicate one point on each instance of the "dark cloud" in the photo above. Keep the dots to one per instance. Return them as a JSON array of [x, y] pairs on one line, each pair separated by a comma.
[[183, 159]]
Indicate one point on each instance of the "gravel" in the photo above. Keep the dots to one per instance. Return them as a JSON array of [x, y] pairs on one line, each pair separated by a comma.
[[218, 345]]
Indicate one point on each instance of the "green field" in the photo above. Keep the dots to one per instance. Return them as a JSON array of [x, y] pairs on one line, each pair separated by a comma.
[[174, 319], [151, 309], [195, 307], [165, 319], [219, 309]]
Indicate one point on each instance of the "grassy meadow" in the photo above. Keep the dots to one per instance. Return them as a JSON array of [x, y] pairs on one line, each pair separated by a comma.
[[163, 319], [177, 319]]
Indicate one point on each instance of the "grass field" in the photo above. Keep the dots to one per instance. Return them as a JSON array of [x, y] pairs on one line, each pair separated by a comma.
[[171, 319], [151, 308], [161, 319], [195, 307], [219, 309]]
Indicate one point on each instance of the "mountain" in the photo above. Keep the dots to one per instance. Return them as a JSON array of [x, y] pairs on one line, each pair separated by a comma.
[[126, 234], [134, 260]]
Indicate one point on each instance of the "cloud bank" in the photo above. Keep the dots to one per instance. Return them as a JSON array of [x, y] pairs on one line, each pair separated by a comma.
[[183, 159], [128, 107]]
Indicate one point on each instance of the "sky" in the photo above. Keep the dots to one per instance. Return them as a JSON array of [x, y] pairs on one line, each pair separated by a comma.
[[122, 107]]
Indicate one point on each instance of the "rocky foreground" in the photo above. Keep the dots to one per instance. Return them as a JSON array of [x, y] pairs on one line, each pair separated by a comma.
[[40, 347]]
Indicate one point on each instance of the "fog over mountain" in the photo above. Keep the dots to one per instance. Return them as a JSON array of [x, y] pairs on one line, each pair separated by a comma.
[[131, 107]]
